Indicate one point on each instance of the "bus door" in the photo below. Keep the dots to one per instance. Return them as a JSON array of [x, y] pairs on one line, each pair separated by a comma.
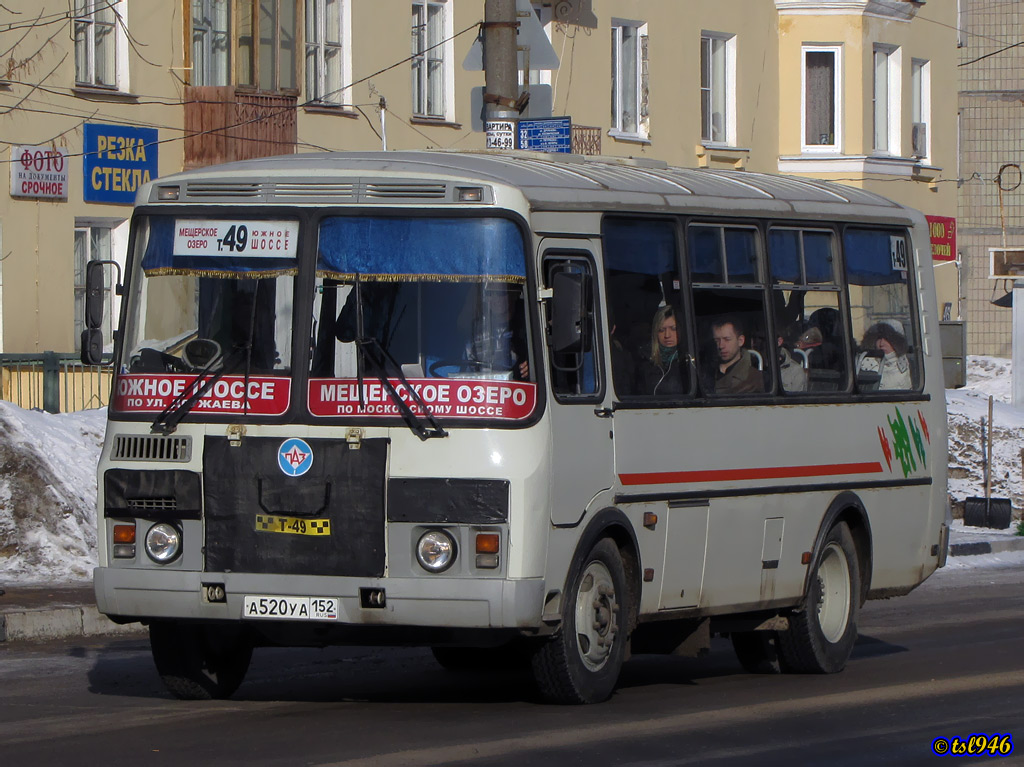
[[580, 406]]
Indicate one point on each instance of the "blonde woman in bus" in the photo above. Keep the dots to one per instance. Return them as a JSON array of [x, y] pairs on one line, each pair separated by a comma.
[[886, 355], [660, 373]]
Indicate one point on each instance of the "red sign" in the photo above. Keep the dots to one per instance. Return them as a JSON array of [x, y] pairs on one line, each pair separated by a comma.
[[153, 393], [446, 398], [943, 235]]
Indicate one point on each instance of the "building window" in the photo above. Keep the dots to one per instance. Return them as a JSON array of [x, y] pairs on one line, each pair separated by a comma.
[[327, 25], [920, 107], [717, 88], [432, 79], [822, 101], [886, 100], [97, 33], [629, 78], [266, 48], [92, 243], [210, 42]]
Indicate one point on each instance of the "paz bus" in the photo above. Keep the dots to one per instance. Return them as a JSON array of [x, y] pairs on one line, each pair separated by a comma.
[[555, 408]]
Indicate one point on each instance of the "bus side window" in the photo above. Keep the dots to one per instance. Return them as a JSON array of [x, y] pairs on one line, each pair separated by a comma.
[[734, 352], [649, 339], [878, 276], [575, 373], [809, 330]]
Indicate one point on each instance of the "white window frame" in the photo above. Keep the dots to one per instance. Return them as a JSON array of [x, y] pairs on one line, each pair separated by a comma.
[[836, 147], [117, 233], [202, 72], [707, 41], [619, 96], [921, 100], [83, 12], [444, 54], [317, 89], [886, 105]]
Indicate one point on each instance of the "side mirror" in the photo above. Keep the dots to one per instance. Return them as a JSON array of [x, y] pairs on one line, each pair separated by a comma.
[[568, 312], [92, 346], [94, 285]]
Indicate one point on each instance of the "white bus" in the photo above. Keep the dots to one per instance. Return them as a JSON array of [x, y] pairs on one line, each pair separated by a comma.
[[550, 407]]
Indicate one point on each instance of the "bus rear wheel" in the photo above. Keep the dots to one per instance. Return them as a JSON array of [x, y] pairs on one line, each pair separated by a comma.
[[821, 636], [581, 663], [199, 662]]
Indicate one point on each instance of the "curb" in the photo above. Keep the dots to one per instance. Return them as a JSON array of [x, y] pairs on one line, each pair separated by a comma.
[[61, 623], [985, 547]]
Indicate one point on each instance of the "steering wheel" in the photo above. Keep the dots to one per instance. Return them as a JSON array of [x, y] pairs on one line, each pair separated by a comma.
[[444, 363], [203, 354]]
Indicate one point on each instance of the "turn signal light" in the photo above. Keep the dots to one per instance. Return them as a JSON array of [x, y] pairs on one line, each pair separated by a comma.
[[487, 543], [124, 533]]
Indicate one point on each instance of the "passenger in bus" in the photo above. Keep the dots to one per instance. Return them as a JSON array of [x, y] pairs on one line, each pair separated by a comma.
[[885, 355], [735, 372], [791, 370], [661, 372]]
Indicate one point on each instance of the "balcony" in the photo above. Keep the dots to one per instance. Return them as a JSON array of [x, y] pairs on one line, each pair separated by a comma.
[[223, 124]]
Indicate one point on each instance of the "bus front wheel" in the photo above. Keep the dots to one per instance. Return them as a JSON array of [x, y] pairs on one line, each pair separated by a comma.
[[199, 662], [821, 636], [581, 663]]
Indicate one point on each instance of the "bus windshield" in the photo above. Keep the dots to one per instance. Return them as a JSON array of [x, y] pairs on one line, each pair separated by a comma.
[[209, 296], [418, 298]]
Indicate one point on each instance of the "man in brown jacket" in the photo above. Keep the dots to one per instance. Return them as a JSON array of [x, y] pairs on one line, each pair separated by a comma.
[[736, 373]]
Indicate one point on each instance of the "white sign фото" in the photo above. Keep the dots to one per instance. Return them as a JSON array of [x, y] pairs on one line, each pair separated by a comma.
[[39, 172]]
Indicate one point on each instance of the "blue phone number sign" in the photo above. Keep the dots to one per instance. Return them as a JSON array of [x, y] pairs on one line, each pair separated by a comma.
[[117, 161]]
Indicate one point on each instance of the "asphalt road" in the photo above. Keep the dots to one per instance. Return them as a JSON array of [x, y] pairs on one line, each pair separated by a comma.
[[946, 661]]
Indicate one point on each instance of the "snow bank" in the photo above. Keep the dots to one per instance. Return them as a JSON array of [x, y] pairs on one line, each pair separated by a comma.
[[48, 494], [966, 408]]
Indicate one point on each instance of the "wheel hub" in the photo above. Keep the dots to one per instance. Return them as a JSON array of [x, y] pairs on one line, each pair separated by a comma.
[[596, 609]]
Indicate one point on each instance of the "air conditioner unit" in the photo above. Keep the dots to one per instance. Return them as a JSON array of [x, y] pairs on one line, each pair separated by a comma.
[[1006, 264], [919, 139]]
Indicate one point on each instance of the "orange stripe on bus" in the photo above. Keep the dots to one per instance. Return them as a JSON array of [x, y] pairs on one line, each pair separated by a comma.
[[771, 472]]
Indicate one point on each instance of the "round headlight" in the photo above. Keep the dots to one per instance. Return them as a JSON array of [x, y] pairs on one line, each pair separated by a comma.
[[435, 551], [163, 543]]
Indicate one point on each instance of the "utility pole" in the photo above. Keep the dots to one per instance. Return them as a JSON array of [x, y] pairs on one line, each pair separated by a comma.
[[501, 75]]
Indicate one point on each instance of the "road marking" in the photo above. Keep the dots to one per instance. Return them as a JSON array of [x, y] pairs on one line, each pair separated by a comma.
[[602, 733]]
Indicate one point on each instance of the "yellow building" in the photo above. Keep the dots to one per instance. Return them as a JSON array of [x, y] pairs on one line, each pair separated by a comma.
[[113, 90]]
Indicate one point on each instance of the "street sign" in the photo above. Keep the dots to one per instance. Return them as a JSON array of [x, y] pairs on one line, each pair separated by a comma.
[[553, 134], [501, 134]]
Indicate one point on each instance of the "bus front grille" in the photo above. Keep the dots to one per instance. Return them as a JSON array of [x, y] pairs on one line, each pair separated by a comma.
[[146, 447]]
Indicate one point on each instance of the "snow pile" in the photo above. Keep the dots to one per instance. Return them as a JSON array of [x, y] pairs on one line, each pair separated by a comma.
[[966, 409], [48, 494]]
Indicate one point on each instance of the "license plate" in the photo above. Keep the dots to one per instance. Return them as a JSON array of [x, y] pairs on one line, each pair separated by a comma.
[[270, 523], [291, 608]]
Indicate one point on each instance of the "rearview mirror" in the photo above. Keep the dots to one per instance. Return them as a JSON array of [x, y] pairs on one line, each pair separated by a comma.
[[94, 285]]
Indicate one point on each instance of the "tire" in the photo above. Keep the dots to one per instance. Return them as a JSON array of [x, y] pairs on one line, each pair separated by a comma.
[[582, 661], [199, 662], [756, 651], [821, 636]]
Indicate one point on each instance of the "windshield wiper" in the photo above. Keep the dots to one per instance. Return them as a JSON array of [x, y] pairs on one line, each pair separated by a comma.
[[169, 418], [366, 347]]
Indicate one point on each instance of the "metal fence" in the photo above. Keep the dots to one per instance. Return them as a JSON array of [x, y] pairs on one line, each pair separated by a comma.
[[56, 383]]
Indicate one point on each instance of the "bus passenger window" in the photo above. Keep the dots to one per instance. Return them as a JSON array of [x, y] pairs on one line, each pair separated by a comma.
[[734, 353], [809, 332], [878, 275], [650, 344]]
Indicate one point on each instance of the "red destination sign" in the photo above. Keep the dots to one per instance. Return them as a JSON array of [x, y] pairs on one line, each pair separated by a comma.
[[943, 236], [267, 395], [446, 398]]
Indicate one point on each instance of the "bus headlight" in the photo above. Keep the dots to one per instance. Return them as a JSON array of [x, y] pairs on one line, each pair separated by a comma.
[[435, 551], [163, 543]]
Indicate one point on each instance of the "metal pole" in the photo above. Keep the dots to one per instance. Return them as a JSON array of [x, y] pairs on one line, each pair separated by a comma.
[[501, 76], [1017, 340], [51, 383]]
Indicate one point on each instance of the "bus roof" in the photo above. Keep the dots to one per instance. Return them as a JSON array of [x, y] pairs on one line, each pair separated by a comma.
[[547, 181]]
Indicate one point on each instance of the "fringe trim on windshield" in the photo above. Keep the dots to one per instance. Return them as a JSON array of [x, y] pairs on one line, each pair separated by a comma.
[[166, 271], [510, 278]]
